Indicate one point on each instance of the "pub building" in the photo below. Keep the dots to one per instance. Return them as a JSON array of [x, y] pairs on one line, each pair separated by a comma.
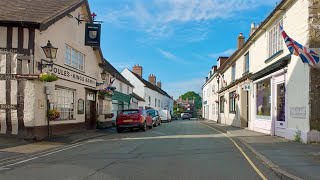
[[33, 41]]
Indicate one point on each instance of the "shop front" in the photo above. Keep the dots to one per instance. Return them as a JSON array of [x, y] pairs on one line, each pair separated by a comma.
[[269, 99], [120, 102]]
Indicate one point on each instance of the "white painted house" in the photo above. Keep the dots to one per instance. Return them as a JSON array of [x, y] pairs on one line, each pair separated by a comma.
[[150, 91], [268, 89]]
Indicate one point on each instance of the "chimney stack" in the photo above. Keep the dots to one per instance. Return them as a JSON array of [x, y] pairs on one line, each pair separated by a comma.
[[152, 79], [137, 69], [159, 84], [240, 40]]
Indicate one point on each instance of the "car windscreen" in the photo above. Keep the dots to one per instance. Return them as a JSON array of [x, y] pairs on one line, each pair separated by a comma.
[[128, 112], [152, 113]]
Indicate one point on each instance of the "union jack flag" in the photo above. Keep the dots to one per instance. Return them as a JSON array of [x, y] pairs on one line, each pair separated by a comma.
[[306, 54]]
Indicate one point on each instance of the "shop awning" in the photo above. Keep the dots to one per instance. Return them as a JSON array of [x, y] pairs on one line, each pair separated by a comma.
[[281, 63], [121, 97]]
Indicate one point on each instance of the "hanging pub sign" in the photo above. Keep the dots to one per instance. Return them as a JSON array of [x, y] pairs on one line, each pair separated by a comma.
[[92, 34]]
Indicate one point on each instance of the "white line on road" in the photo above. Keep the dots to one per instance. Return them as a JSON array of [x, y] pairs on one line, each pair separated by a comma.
[[36, 157], [241, 150]]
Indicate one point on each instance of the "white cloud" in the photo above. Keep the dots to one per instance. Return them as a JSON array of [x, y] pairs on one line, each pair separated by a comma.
[[170, 56], [160, 18], [227, 52], [176, 89]]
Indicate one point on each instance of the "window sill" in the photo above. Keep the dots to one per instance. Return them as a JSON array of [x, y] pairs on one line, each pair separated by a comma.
[[233, 112], [273, 56], [76, 69]]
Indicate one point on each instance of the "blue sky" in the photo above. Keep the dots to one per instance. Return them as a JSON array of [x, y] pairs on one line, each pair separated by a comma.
[[177, 40]]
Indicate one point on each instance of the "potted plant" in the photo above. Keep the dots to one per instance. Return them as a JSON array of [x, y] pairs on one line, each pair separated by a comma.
[[109, 116], [53, 114]]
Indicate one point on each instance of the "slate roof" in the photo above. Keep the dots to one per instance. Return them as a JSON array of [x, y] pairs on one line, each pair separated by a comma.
[[136, 96], [151, 86], [38, 12], [114, 72]]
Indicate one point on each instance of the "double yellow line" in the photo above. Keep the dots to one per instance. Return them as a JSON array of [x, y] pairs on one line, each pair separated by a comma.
[[241, 150]]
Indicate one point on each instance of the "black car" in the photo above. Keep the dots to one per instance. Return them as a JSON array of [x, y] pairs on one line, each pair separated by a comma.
[[156, 121]]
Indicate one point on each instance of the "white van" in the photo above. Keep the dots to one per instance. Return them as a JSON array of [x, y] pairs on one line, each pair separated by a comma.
[[165, 115]]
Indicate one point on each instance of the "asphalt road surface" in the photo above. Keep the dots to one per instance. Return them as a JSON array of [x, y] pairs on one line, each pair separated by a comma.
[[180, 150]]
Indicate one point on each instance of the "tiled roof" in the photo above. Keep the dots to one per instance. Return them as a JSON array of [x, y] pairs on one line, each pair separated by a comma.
[[151, 86], [40, 12], [137, 97], [109, 68]]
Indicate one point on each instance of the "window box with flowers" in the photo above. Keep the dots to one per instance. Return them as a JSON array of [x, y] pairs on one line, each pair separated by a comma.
[[53, 115]]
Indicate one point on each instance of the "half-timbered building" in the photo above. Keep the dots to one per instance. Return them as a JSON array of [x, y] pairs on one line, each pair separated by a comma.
[[26, 26]]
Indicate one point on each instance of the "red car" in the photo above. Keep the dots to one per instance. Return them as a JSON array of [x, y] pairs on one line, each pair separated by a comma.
[[133, 118]]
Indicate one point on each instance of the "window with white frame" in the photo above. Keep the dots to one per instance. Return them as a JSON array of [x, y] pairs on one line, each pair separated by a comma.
[[158, 102], [74, 58], [213, 109], [246, 63], [128, 89], [233, 72], [155, 102], [64, 99], [212, 89], [120, 88], [274, 39]]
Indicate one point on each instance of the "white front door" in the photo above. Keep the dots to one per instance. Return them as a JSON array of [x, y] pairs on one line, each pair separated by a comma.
[[279, 106]]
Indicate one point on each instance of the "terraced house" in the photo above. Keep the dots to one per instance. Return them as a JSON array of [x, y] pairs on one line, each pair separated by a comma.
[[264, 87]]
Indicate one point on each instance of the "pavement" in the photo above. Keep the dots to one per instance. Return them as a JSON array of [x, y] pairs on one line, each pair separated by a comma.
[[290, 160], [180, 150]]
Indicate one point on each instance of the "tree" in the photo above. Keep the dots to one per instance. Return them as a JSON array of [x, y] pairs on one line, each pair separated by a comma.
[[192, 95]]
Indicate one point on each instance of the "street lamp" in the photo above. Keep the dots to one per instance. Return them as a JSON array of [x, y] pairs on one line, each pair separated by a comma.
[[103, 75], [51, 53]]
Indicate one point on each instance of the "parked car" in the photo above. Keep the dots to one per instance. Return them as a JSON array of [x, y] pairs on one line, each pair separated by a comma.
[[165, 115], [174, 117], [185, 116], [156, 121], [133, 118]]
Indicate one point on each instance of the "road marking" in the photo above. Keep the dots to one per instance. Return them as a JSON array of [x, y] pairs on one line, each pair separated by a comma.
[[43, 155], [1, 169], [241, 150]]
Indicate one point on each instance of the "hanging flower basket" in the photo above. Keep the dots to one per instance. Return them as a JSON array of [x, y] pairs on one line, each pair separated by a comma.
[[48, 77], [53, 115], [109, 116], [102, 94]]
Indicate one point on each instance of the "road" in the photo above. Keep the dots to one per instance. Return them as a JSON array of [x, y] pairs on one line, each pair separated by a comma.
[[180, 150]]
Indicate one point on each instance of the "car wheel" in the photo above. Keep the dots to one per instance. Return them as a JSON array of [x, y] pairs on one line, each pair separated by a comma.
[[144, 127], [151, 126], [119, 130], [155, 124], [159, 123]]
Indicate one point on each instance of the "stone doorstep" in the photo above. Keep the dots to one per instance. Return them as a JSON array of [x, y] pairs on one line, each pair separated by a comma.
[[33, 147]]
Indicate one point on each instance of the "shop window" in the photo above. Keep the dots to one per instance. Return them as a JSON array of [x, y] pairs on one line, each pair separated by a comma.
[[263, 98], [246, 63], [65, 103], [274, 39], [222, 104], [74, 58], [232, 102]]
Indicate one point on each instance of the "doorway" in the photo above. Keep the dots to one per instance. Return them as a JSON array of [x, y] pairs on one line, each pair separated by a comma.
[[91, 112], [279, 106]]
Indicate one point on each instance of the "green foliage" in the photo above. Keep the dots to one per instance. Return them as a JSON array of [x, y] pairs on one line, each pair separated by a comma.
[[297, 136], [48, 77], [177, 111], [192, 95]]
